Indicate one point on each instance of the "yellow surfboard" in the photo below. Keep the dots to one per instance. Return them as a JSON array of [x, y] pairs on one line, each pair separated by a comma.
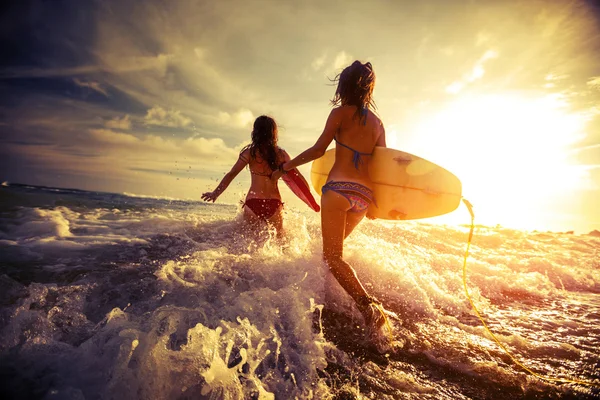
[[405, 186]]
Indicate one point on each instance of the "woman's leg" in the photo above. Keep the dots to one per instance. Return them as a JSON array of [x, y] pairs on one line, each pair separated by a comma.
[[277, 221], [334, 212], [352, 220], [335, 220]]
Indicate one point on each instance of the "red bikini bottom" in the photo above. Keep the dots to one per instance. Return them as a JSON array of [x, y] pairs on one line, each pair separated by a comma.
[[263, 208]]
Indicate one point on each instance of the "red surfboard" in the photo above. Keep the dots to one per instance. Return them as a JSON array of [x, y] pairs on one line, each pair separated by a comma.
[[297, 184]]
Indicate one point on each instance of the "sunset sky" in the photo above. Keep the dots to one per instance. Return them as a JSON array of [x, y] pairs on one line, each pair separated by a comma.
[[157, 97]]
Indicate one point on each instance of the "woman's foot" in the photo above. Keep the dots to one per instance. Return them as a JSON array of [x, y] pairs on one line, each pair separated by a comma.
[[378, 330]]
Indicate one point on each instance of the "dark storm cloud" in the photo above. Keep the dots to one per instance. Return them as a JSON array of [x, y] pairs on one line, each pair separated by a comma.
[[42, 34]]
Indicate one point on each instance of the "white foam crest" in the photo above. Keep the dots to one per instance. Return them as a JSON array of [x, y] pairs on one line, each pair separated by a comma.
[[174, 350], [47, 313], [271, 290], [97, 226], [417, 271], [37, 234], [400, 269], [39, 224], [501, 262], [147, 196]]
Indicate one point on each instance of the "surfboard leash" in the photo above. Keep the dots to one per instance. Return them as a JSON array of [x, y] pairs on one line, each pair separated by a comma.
[[487, 329]]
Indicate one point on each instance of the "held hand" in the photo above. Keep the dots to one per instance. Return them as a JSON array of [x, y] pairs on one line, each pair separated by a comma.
[[279, 172], [403, 160], [209, 196]]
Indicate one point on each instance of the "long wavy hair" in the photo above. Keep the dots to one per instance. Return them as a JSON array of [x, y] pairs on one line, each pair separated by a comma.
[[355, 87], [264, 141]]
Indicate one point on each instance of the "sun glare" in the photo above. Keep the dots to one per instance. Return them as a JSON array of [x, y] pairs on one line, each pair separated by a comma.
[[510, 152]]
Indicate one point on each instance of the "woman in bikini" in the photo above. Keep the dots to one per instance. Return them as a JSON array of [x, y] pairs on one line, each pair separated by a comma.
[[347, 193], [262, 156]]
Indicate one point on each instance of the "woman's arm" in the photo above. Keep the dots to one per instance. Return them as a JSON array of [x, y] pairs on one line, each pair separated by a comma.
[[230, 176], [318, 149], [286, 156]]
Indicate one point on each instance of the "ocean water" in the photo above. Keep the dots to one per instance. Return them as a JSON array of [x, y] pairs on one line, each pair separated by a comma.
[[108, 296]]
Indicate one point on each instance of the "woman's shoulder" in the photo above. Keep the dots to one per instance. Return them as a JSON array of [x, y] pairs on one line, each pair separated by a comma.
[[281, 152], [342, 113], [245, 152], [377, 118]]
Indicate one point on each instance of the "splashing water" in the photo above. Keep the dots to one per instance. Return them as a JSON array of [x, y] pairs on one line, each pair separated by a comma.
[[112, 296]]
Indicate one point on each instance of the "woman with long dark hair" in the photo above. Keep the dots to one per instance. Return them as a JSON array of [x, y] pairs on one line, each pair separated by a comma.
[[347, 194], [262, 156]]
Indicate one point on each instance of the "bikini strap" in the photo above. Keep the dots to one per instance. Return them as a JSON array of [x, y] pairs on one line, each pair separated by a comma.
[[356, 156], [267, 174]]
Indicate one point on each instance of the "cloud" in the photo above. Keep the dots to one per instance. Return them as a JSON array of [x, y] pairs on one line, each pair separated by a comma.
[[477, 72], [95, 86], [169, 118], [114, 138], [329, 66], [214, 147], [318, 62], [594, 82], [159, 63], [240, 119], [123, 124], [124, 64], [29, 72], [200, 52], [114, 161], [153, 148], [454, 87], [488, 55], [342, 60]]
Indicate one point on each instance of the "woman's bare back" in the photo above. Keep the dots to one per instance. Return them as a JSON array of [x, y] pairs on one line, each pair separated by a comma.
[[262, 186], [354, 136]]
